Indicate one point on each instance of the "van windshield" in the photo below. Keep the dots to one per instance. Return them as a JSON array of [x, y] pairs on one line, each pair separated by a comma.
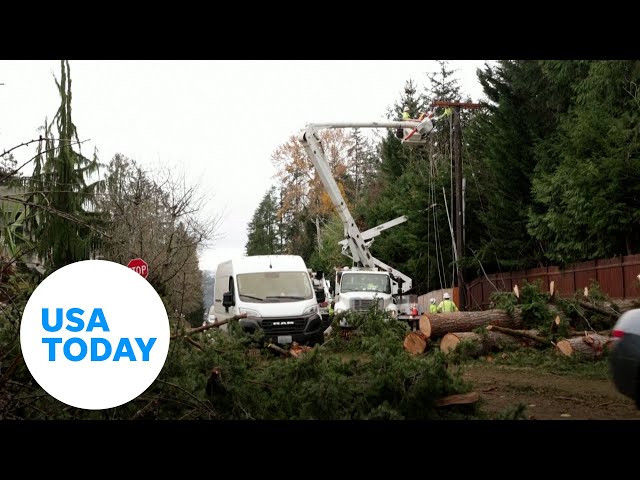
[[272, 287], [365, 282]]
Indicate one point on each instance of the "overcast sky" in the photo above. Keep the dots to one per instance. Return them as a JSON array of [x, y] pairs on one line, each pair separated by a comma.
[[216, 121]]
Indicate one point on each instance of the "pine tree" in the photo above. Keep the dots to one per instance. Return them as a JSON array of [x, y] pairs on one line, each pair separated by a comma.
[[263, 229], [585, 185], [64, 186]]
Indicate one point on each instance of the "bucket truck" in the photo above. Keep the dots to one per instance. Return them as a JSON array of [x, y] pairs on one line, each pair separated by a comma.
[[370, 280]]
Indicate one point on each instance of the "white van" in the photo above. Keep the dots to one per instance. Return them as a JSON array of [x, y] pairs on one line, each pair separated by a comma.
[[276, 293]]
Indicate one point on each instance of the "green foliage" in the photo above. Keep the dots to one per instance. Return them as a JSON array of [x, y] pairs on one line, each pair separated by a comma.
[[506, 301], [551, 361], [535, 306], [514, 412], [230, 376], [330, 255], [263, 237], [62, 223], [585, 188]]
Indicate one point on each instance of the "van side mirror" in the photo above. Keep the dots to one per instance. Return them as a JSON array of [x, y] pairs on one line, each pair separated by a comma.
[[227, 300]]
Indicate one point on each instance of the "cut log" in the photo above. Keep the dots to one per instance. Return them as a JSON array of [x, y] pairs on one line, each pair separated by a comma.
[[424, 325], [591, 345], [415, 342], [478, 344], [438, 324], [530, 334], [460, 399]]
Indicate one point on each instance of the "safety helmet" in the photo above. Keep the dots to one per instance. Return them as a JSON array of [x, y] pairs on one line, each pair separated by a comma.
[[406, 109], [446, 296], [433, 300]]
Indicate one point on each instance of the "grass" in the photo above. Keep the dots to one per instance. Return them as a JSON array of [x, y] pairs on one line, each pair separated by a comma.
[[550, 361]]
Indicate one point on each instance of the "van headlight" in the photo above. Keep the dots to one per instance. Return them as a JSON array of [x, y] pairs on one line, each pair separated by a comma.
[[249, 312], [311, 309]]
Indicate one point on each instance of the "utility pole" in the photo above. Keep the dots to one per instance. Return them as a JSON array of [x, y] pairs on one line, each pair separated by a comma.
[[458, 206]]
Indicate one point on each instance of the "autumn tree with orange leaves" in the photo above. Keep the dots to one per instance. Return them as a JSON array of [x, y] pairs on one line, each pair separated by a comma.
[[305, 206]]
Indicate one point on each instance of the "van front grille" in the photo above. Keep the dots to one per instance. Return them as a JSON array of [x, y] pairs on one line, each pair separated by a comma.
[[283, 325]]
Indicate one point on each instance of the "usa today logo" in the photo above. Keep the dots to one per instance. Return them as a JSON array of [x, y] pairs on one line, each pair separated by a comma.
[[94, 334]]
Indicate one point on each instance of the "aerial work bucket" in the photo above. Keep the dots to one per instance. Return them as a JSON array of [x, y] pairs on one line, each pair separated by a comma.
[[418, 135]]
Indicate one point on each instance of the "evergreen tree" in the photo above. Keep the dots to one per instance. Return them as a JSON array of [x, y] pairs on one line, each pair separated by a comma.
[[263, 229], [64, 186], [585, 186]]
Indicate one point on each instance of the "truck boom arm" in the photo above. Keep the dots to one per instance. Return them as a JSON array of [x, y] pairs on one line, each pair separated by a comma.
[[355, 240]]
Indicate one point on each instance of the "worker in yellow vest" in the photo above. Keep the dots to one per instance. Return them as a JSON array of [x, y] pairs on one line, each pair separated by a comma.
[[447, 305], [405, 114], [433, 308]]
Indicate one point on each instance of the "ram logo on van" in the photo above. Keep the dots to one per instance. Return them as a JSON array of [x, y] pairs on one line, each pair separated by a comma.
[[290, 322]]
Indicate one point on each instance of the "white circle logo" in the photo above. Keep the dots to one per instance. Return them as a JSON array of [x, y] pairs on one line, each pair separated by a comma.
[[94, 334]]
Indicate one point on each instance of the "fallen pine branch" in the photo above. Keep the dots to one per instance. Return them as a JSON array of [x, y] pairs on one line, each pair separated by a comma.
[[279, 350], [194, 343], [594, 308], [212, 325], [521, 333]]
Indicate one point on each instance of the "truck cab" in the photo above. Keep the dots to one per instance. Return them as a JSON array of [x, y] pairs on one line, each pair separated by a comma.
[[358, 289]]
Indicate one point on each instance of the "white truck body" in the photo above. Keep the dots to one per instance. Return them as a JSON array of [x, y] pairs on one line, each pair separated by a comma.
[[358, 289], [276, 294]]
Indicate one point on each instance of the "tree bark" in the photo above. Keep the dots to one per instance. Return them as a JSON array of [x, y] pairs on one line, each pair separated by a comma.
[[415, 342], [591, 345], [623, 305], [607, 312], [479, 344], [438, 324]]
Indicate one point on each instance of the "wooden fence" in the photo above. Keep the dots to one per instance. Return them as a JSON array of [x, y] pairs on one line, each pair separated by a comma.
[[617, 277]]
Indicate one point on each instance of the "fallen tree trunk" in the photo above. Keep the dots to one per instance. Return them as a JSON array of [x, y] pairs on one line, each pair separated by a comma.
[[607, 312], [623, 305], [530, 334], [590, 345], [211, 325], [478, 344], [438, 324], [415, 342]]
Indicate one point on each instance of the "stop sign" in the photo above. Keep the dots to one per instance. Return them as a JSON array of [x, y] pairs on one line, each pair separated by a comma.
[[140, 266]]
